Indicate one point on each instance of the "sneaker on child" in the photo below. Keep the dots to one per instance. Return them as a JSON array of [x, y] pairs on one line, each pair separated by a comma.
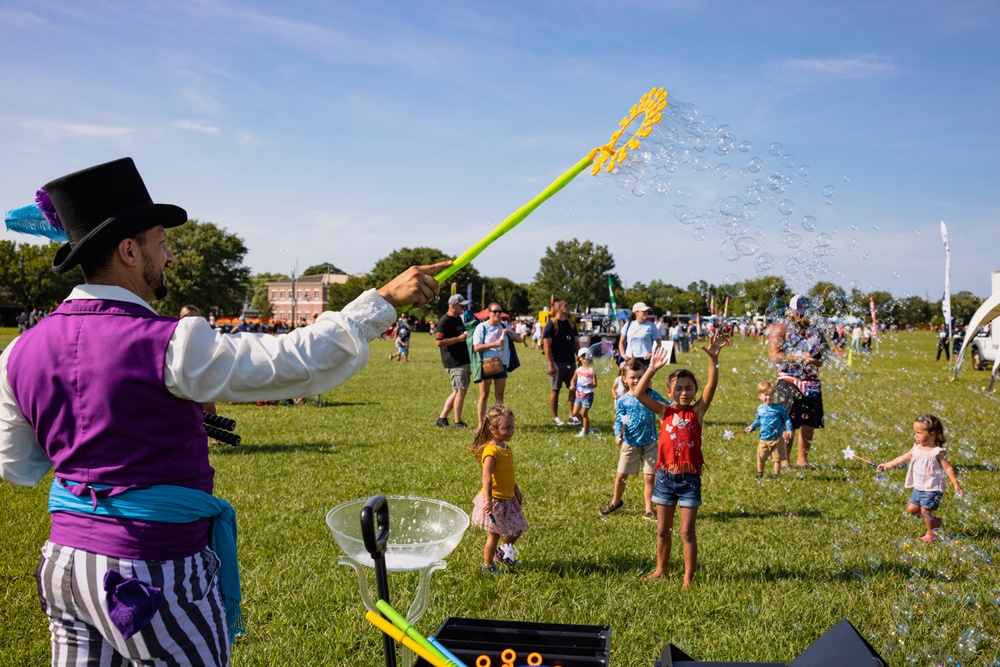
[[507, 555]]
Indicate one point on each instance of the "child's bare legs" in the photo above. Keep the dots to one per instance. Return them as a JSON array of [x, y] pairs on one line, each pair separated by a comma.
[[925, 514], [777, 465], [760, 466], [620, 479], [584, 415], [664, 526], [805, 444], [484, 396], [688, 517], [492, 539], [648, 481]]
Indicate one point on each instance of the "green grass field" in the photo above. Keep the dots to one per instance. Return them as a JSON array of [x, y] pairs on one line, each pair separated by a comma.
[[780, 561]]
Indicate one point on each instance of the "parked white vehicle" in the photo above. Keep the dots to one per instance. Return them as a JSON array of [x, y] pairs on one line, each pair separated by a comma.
[[983, 347]]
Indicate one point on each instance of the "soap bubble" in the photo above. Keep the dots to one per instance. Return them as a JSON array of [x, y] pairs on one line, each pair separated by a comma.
[[874, 561], [764, 263], [722, 171], [786, 206], [754, 165], [729, 251], [776, 149], [602, 357], [809, 223], [734, 286], [747, 245], [660, 185], [683, 193], [793, 240], [745, 147], [968, 642], [553, 441], [829, 191]]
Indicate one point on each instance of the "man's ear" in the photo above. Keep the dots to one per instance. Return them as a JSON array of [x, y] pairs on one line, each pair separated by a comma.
[[128, 252]]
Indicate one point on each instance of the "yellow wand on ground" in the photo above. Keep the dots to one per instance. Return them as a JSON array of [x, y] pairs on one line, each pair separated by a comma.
[[609, 156]]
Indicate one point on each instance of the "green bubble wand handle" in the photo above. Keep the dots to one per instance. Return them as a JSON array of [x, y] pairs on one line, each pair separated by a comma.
[[608, 156], [513, 219]]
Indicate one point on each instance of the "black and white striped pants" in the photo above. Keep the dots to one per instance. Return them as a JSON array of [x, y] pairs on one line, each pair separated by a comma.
[[189, 627]]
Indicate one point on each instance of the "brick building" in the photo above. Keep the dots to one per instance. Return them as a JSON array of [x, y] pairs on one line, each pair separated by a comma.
[[301, 299]]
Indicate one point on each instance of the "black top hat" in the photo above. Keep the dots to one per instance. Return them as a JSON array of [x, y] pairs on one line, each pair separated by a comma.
[[102, 205]]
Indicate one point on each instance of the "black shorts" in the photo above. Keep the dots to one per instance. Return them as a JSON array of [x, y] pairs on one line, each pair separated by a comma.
[[803, 410], [563, 375]]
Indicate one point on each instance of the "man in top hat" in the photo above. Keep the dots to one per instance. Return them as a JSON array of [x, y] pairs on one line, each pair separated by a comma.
[[140, 564], [796, 347], [449, 335]]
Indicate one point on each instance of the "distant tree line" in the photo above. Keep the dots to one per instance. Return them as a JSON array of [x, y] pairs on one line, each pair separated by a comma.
[[209, 272]]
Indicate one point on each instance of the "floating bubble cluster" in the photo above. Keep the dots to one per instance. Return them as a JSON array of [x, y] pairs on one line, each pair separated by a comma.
[[757, 199]]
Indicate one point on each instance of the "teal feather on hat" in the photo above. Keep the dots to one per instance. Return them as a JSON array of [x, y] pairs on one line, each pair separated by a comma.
[[30, 220]]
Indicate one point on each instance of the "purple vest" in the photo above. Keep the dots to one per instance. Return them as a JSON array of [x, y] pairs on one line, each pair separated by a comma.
[[89, 380]]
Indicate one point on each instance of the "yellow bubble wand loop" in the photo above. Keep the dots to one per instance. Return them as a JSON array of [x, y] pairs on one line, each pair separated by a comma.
[[608, 156]]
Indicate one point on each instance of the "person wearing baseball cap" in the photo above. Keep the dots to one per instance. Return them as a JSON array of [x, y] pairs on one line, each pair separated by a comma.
[[640, 336], [140, 565], [796, 347], [449, 335]]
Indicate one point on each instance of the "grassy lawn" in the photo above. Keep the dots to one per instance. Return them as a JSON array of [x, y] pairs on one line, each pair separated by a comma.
[[780, 561]]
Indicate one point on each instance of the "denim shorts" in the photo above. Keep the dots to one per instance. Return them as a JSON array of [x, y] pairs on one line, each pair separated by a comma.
[[682, 489], [929, 500], [585, 401]]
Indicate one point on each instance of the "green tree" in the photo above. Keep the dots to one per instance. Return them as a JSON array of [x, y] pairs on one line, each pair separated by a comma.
[[512, 296], [398, 261], [341, 294], [259, 298], [963, 306], [634, 294], [208, 271], [575, 271], [663, 297], [760, 292], [26, 277], [914, 310], [319, 269]]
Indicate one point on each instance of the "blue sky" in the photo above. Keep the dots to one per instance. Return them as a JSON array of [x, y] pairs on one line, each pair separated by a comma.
[[336, 131]]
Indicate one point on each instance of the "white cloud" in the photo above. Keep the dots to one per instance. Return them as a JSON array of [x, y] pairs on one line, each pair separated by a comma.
[[54, 129], [249, 139], [862, 67], [21, 19], [197, 126]]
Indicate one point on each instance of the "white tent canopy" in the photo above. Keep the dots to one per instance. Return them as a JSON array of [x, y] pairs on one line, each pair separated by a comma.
[[986, 313]]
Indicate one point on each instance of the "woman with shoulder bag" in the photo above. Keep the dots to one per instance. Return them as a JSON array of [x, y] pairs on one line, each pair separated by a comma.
[[489, 340]]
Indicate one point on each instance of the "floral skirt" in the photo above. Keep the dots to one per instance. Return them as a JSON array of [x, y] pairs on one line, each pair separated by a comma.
[[509, 518]]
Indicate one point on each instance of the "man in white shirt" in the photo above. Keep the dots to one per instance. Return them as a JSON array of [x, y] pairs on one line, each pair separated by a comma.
[[109, 394]]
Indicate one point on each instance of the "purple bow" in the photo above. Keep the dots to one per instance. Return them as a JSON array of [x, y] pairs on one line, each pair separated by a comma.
[[131, 603]]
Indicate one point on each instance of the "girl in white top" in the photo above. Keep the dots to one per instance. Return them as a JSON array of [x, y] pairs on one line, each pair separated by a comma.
[[926, 472]]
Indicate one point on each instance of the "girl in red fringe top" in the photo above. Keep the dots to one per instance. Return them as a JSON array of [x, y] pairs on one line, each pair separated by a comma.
[[679, 461]]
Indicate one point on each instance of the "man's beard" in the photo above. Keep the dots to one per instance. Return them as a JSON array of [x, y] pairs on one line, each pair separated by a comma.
[[155, 279]]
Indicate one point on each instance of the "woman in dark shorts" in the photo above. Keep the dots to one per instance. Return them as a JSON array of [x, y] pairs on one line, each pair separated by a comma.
[[796, 347]]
